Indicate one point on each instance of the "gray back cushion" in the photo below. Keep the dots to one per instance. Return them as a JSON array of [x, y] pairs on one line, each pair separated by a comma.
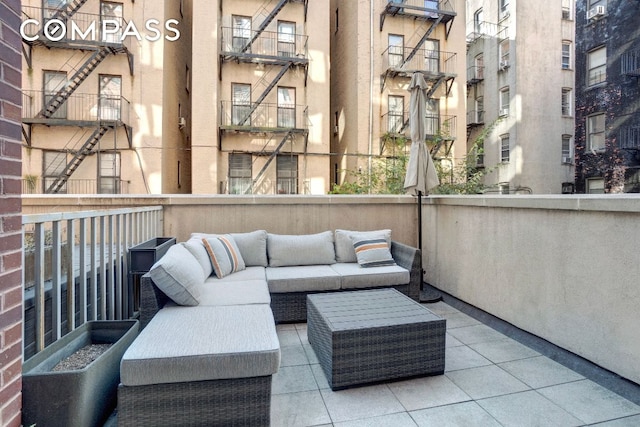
[[304, 249], [252, 246]]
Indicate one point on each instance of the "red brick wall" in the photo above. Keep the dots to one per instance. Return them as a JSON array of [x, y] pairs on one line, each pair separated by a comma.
[[10, 217]]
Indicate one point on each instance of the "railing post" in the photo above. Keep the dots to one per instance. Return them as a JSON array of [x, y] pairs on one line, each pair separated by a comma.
[[56, 282], [71, 285], [39, 285], [82, 280]]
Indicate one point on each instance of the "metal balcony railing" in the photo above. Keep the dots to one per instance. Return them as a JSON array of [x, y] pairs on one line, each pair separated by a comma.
[[434, 62], [268, 44], [630, 63], [395, 124], [80, 107], [484, 29], [265, 116], [82, 29], [629, 134], [475, 74], [76, 269], [75, 186], [430, 8]]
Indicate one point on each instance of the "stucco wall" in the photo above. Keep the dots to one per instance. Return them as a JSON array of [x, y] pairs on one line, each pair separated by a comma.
[[564, 269]]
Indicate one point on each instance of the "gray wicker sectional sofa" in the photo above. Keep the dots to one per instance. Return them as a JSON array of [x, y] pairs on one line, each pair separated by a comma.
[[208, 309]]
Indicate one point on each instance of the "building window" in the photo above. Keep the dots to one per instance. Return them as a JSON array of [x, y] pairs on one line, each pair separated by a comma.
[[597, 66], [396, 50], [566, 9], [109, 177], [478, 21], [287, 174], [432, 55], [567, 97], [286, 107], [396, 113], [53, 165], [239, 173], [240, 104], [504, 149], [504, 54], [480, 109], [595, 186], [504, 102], [110, 91], [111, 16], [566, 55], [479, 67], [286, 39], [567, 149], [432, 117], [594, 3], [241, 32], [595, 132], [54, 81], [504, 9]]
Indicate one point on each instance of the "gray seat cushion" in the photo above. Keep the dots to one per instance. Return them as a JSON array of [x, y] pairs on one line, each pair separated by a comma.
[[220, 292], [249, 273], [183, 344], [302, 278], [353, 276]]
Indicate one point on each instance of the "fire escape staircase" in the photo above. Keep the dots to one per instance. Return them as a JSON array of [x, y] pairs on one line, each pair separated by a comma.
[[265, 23], [69, 10], [80, 76], [74, 163], [287, 137], [264, 94]]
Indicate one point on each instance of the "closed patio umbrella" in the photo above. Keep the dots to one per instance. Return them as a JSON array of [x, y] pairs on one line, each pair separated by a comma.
[[421, 174]]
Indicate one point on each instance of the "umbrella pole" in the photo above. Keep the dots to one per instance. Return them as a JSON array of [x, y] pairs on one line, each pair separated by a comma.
[[431, 294]]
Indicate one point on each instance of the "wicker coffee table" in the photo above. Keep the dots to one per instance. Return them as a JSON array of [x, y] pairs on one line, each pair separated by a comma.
[[364, 337]]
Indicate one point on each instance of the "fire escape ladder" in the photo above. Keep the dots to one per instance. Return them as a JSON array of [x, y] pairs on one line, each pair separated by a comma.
[[76, 80], [287, 137], [69, 10], [77, 159], [264, 94], [426, 35], [264, 24]]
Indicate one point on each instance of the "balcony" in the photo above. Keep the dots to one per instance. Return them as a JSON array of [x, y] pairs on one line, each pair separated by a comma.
[[80, 109], [80, 31], [475, 118], [264, 117], [406, 61], [475, 74], [511, 350], [485, 30], [77, 186], [438, 11], [268, 47], [441, 125], [630, 63]]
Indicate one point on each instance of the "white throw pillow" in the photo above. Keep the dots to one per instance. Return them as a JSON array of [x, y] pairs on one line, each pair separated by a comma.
[[302, 249]]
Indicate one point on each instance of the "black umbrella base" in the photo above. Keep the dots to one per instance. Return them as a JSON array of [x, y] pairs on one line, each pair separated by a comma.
[[429, 294]]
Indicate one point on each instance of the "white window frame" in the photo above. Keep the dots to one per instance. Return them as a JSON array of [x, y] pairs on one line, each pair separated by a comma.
[[567, 102], [596, 70], [240, 105], [593, 132], [503, 54], [567, 57], [53, 165], [505, 100], [287, 174], [505, 148], [595, 185], [567, 149], [396, 50], [395, 116], [109, 173], [240, 179], [286, 39]]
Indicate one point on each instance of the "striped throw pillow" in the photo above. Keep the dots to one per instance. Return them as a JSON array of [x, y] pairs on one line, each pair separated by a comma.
[[224, 254], [372, 252]]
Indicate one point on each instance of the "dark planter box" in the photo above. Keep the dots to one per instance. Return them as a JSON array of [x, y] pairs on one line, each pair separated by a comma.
[[84, 397], [143, 256]]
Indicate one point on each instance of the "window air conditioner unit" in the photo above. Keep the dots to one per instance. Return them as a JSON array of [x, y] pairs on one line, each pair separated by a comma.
[[503, 112], [182, 122], [596, 12], [567, 159], [504, 65]]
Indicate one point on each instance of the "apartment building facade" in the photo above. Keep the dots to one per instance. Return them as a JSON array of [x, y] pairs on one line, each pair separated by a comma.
[[103, 87], [608, 94], [260, 99], [520, 91], [376, 47]]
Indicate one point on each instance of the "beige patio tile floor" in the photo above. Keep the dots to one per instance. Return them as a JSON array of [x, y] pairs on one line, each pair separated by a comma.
[[489, 380]]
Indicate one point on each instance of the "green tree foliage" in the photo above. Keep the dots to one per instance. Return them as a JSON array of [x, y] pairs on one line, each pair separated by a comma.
[[387, 173]]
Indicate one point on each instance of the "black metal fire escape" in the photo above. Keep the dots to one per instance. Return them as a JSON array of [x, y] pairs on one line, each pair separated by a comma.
[[266, 92], [101, 50], [272, 155]]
